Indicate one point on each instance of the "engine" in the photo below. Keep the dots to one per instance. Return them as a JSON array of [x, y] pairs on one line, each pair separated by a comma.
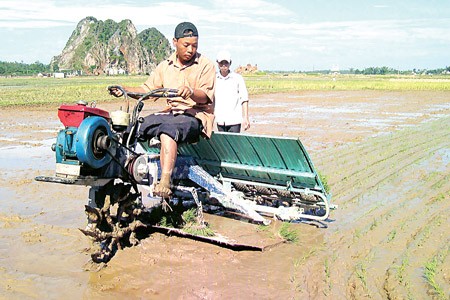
[[82, 146]]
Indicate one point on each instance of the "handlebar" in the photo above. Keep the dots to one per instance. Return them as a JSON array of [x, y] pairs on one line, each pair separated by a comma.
[[157, 93]]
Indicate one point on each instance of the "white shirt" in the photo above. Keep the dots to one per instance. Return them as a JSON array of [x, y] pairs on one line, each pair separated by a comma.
[[230, 93]]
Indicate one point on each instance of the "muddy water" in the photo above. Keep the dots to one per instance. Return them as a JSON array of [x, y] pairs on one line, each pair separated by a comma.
[[386, 157]]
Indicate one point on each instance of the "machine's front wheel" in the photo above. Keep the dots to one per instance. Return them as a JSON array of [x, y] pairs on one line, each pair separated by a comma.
[[91, 133]]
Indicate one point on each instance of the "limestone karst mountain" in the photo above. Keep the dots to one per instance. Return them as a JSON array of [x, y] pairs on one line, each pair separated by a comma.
[[108, 47]]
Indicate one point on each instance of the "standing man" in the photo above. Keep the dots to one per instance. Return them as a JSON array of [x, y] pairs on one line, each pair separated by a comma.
[[186, 117], [231, 96]]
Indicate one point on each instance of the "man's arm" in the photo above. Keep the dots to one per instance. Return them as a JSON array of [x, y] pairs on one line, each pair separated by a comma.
[[197, 95], [203, 91], [245, 119], [243, 94]]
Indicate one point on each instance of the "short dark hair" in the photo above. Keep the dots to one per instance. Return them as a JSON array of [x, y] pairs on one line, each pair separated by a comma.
[[185, 29]]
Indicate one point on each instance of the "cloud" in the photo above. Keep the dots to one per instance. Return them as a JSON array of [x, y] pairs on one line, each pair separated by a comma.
[[266, 19], [347, 43], [251, 7], [252, 30], [30, 24], [28, 13]]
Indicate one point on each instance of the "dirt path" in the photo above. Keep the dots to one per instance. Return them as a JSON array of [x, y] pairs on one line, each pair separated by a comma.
[[386, 156]]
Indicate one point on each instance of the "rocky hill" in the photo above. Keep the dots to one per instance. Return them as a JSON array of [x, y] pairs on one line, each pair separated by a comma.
[[97, 47]]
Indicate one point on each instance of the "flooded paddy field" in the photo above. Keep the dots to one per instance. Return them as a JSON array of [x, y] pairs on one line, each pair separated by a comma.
[[386, 159]]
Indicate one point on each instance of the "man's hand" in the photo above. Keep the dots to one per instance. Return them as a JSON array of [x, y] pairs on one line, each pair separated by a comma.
[[246, 124], [185, 92], [115, 92]]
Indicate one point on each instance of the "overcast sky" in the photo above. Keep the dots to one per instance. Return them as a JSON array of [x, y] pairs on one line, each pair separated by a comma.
[[291, 35]]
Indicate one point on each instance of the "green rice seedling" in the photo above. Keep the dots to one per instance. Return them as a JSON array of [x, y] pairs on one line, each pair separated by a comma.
[[192, 226], [262, 228], [430, 273], [373, 208], [324, 181], [327, 273], [190, 215], [391, 235], [440, 183], [361, 273], [267, 230], [404, 224], [287, 233], [202, 230], [425, 235], [357, 234], [401, 270], [374, 224], [183, 219], [304, 258], [293, 280], [327, 270], [165, 222], [439, 198]]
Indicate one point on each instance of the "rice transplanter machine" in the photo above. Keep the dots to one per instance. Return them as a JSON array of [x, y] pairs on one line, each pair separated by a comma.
[[257, 177]]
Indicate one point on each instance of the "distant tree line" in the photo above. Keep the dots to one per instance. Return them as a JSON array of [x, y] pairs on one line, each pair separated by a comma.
[[384, 71], [388, 71], [22, 69]]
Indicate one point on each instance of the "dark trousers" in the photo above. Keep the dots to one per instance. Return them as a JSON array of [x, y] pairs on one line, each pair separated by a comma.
[[182, 128], [229, 128]]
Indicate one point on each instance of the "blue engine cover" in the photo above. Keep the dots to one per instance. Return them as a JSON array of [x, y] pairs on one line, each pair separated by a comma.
[[89, 129], [65, 146], [76, 145]]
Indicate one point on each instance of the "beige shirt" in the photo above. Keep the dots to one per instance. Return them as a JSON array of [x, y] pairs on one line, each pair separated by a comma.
[[200, 74]]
